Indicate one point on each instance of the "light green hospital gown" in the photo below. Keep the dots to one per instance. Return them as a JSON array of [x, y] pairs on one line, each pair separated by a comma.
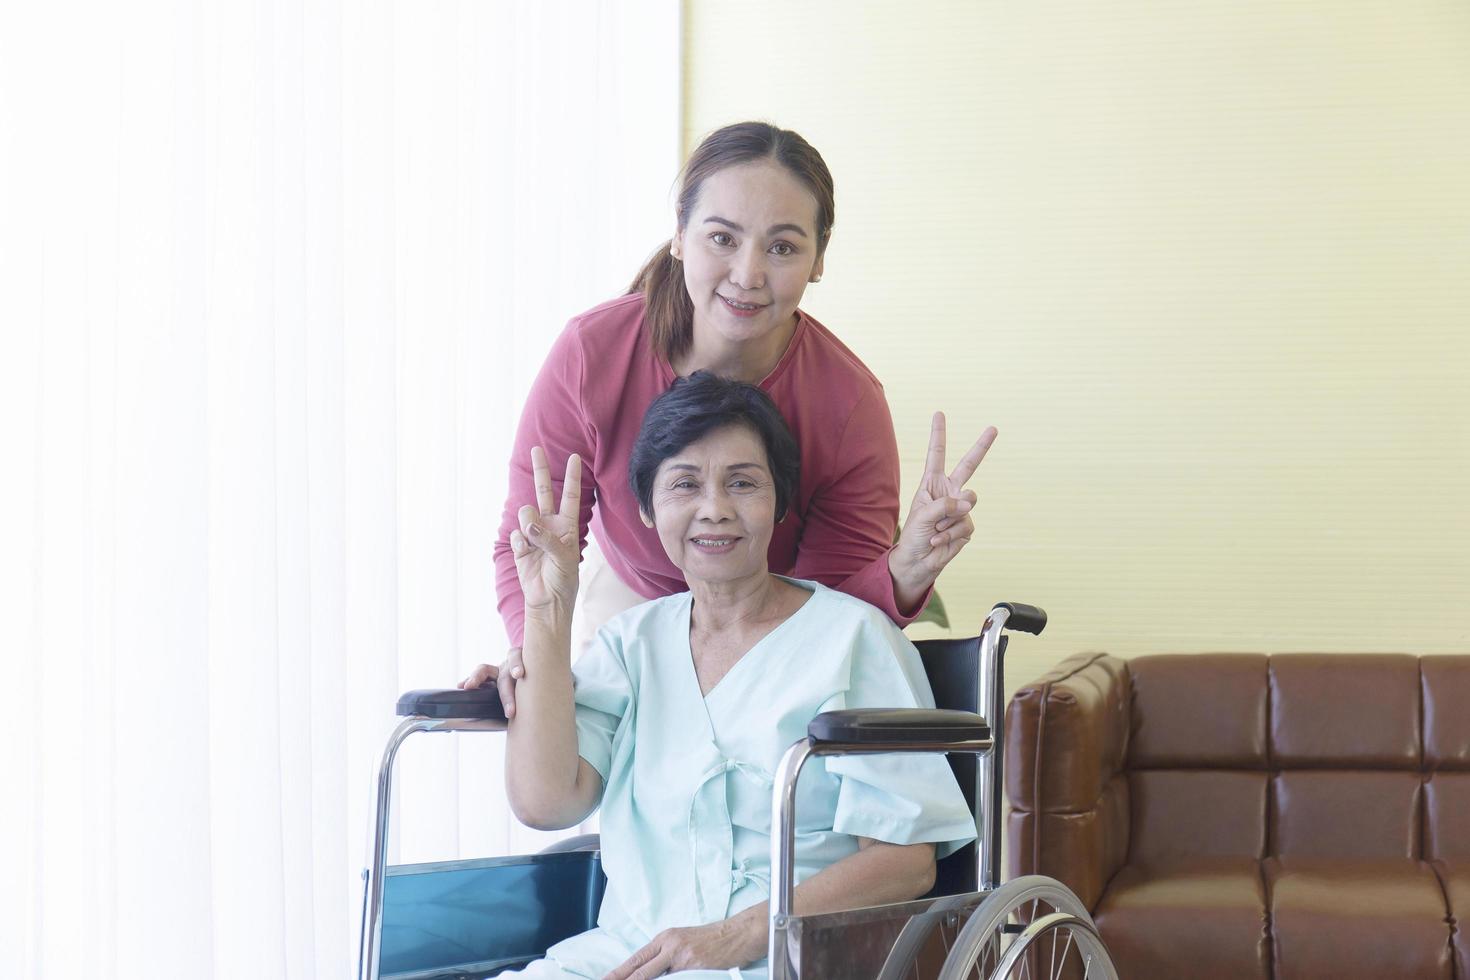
[[687, 798]]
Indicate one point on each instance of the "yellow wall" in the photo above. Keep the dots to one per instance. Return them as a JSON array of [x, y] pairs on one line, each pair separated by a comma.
[[1205, 265]]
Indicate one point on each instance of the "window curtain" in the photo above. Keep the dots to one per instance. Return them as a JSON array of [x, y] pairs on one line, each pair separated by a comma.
[[275, 277]]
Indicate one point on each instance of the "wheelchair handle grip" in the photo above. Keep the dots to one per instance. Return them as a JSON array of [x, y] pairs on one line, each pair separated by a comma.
[[1027, 619], [480, 703]]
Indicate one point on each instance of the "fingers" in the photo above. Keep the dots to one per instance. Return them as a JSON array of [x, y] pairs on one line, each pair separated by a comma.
[[541, 476], [655, 967], [971, 460], [531, 524], [935, 512], [478, 676], [511, 672], [961, 530], [519, 546], [636, 965], [946, 523], [571, 489], [934, 462]]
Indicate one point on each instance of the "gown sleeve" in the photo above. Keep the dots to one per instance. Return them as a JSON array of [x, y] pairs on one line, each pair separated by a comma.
[[900, 799], [602, 699]]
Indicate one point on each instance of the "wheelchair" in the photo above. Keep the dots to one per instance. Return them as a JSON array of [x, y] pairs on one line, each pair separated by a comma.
[[472, 919]]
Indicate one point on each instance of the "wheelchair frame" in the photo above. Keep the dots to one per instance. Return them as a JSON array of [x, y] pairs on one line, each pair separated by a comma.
[[458, 710], [990, 771]]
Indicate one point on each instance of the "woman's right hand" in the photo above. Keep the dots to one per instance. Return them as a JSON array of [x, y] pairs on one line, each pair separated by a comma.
[[546, 546], [503, 677]]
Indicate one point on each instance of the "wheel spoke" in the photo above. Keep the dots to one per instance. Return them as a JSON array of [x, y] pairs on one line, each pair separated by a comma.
[[1067, 948], [1021, 912]]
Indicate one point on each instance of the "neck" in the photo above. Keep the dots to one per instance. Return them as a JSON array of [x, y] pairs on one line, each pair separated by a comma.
[[750, 361], [720, 605]]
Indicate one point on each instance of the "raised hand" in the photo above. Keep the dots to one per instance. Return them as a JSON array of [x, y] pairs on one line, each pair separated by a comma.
[[546, 545], [939, 522]]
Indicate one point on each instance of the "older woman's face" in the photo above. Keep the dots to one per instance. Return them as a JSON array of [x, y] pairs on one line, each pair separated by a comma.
[[714, 506]]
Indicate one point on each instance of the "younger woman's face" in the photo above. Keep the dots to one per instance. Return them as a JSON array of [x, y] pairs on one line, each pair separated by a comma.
[[749, 249]]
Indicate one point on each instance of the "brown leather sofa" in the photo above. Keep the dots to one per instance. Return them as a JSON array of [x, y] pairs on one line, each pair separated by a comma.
[[1238, 815]]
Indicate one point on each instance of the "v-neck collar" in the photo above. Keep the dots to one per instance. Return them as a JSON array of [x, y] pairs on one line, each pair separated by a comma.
[[666, 370], [758, 648]]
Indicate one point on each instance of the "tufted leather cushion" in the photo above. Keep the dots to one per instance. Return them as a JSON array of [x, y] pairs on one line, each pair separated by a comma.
[[1345, 919], [1197, 813], [1456, 882], [1155, 920], [1351, 815], [1202, 711], [1300, 815], [1335, 711], [1447, 816], [1445, 683]]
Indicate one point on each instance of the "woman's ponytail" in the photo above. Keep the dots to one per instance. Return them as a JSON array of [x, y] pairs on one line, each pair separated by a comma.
[[668, 312]]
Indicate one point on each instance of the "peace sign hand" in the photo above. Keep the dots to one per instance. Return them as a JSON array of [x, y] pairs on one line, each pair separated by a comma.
[[939, 522], [546, 546]]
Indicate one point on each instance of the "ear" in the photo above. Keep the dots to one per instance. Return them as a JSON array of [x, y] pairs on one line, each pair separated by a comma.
[[647, 521], [676, 244], [817, 269]]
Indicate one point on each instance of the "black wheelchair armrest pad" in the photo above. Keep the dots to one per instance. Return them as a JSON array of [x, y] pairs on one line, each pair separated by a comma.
[[478, 702], [1027, 619], [897, 726]]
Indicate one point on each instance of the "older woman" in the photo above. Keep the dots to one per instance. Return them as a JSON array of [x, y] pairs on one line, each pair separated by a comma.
[[675, 718]]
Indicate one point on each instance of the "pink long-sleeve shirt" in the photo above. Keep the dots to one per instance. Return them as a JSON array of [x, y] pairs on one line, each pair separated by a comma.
[[590, 397]]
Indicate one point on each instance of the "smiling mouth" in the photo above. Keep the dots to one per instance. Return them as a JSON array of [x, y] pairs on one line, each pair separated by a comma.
[[742, 307], [713, 542]]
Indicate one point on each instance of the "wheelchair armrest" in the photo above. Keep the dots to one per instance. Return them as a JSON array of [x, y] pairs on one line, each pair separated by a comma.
[[897, 726], [478, 703]]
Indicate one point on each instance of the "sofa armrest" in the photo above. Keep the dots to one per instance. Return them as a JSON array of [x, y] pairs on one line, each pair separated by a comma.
[[1066, 748]]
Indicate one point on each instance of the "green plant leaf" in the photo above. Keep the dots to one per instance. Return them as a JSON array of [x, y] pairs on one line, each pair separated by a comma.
[[933, 612]]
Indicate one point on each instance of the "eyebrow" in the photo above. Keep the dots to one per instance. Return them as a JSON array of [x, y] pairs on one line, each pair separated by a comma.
[[769, 231], [691, 468]]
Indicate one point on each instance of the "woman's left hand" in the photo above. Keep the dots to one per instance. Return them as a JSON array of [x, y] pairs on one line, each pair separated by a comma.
[[939, 522], [717, 946]]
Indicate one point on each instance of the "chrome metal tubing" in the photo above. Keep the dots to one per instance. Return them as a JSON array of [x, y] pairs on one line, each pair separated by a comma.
[[1039, 927], [990, 767], [783, 826], [783, 853], [372, 933]]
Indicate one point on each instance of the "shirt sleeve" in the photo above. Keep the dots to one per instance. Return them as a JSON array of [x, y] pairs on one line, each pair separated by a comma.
[[553, 419], [850, 524], [904, 798], [602, 697]]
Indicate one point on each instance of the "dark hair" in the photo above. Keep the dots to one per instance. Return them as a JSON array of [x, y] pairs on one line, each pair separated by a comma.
[[698, 405], [667, 307]]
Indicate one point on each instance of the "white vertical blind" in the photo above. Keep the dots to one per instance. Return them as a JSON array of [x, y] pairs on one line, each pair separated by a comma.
[[274, 279]]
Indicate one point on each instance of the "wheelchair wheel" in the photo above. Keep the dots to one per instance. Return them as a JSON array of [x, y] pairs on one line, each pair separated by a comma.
[[1029, 927]]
